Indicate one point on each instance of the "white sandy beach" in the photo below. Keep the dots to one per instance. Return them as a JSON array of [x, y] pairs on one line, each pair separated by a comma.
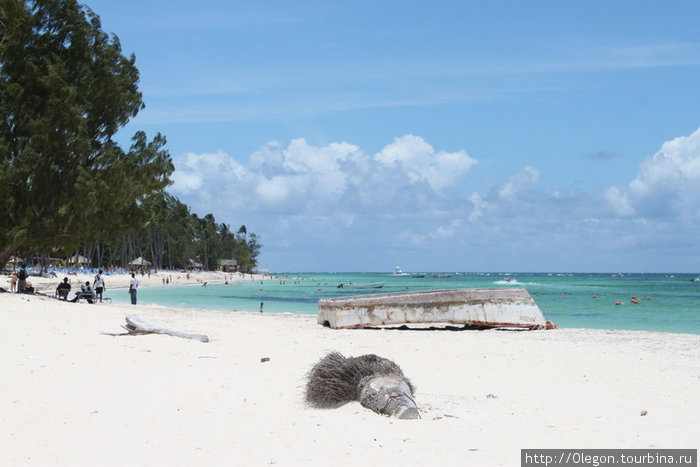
[[70, 395], [47, 285]]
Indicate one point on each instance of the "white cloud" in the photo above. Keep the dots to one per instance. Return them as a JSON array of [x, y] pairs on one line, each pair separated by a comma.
[[268, 160], [320, 165], [667, 183], [300, 157], [301, 173], [206, 176], [280, 190], [337, 201], [619, 201], [479, 204], [302, 178], [417, 159], [449, 230], [526, 178]]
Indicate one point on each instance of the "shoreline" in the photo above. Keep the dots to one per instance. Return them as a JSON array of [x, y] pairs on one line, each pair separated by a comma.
[[482, 395], [44, 295], [118, 282], [47, 285]]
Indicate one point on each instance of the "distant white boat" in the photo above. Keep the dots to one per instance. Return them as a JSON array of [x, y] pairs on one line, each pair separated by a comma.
[[399, 272]]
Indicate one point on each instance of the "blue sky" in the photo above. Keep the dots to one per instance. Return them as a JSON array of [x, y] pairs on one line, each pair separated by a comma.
[[435, 135]]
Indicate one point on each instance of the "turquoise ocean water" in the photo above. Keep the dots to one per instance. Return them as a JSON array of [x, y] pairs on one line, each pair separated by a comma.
[[666, 302]]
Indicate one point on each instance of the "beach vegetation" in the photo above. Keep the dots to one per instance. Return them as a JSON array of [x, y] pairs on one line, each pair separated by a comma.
[[172, 237], [175, 238], [66, 89], [66, 185]]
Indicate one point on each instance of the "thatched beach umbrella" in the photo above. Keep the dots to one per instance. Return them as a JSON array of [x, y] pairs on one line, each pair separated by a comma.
[[140, 262], [78, 259], [196, 264]]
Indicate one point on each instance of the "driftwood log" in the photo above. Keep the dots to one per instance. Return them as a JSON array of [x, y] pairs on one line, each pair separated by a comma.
[[376, 382], [135, 326]]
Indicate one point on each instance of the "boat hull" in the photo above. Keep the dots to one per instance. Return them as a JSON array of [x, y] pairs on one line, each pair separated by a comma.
[[471, 308]]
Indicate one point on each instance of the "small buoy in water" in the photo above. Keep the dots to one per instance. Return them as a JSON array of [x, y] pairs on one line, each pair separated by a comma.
[[634, 296], [260, 288], [634, 301], [319, 289], [618, 303], [595, 296], [562, 294], [647, 298]]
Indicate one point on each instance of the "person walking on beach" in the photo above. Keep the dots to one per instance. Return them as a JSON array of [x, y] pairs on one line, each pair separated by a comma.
[[132, 288], [22, 280], [99, 284]]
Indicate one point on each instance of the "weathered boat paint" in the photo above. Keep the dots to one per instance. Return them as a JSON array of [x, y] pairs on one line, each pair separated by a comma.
[[477, 308]]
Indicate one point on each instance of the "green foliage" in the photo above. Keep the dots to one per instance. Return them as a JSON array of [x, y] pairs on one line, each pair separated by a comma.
[[173, 236], [65, 90], [65, 185]]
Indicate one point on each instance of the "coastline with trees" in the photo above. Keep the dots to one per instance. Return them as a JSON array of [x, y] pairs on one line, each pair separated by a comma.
[[66, 187]]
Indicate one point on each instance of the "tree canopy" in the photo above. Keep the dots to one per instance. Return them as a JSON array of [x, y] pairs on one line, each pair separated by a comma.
[[65, 184], [65, 90], [173, 236]]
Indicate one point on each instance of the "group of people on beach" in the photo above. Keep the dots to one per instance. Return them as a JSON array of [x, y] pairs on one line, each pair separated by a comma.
[[93, 292], [87, 291], [90, 292], [19, 283]]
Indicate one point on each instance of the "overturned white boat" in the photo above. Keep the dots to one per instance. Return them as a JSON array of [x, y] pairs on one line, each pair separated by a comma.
[[470, 308]]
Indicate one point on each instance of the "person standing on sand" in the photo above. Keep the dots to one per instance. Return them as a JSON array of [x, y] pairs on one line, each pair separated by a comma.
[[99, 285], [22, 282], [13, 282], [132, 288]]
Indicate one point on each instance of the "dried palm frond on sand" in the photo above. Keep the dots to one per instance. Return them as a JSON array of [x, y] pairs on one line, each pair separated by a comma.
[[376, 382]]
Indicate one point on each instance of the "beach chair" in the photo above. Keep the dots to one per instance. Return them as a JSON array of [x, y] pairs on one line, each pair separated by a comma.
[[62, 294], [87, 296]]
